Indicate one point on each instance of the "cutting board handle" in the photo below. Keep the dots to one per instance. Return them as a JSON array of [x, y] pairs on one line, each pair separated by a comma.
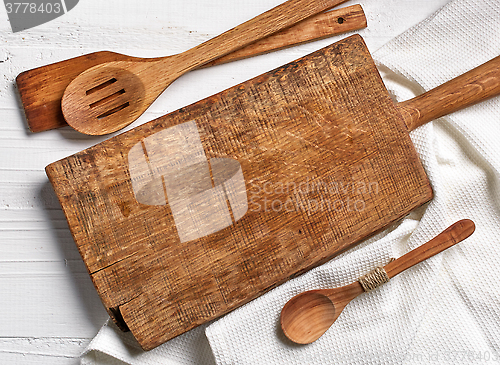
[[470, 88]]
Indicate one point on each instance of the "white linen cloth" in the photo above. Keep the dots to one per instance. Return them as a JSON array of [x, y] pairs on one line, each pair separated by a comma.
[[445, 310]]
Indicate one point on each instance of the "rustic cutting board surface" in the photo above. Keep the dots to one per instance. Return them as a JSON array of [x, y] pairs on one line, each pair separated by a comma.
[[195, 213]]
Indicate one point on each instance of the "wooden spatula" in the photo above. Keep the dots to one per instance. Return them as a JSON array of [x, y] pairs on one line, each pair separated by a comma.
[[191, 215], [41, 89], [110, 96]]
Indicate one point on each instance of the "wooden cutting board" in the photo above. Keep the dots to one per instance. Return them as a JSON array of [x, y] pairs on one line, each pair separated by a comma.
[[193, 214]]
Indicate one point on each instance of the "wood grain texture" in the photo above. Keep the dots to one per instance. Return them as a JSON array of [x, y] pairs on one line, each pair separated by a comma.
[[41, 89], [131, 87], [472, 87], [326, 161]]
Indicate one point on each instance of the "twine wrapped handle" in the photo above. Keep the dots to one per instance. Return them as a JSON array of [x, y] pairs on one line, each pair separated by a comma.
[[375, 278]]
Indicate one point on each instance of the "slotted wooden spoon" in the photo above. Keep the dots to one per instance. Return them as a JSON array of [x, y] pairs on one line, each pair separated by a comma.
[[41, 89], [110, 96], [307, 316]]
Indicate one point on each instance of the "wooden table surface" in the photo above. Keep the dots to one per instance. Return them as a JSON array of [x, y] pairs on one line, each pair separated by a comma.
[[49, 310]]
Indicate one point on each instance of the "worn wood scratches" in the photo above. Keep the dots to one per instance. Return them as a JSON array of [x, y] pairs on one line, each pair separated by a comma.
[[193, 214]]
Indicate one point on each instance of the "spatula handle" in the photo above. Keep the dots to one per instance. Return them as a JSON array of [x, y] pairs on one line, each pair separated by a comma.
[[270, 22], [317, 27], [470, 88], [452, 235]]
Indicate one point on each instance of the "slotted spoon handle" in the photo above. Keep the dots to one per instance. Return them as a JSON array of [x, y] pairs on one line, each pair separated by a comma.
[[263, 25], [314, 28], [452, 235]]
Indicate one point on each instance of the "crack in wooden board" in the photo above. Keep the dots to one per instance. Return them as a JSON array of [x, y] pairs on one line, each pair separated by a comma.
[[326, 159]]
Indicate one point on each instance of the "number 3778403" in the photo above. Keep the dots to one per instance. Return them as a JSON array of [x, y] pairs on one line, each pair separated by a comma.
[[25, 8]]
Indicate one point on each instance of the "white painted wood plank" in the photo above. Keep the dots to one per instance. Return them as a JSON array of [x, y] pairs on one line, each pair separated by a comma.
[[32, 245], [48, 299], [36, 351], [31, 220], [27, 189], [36, 359]]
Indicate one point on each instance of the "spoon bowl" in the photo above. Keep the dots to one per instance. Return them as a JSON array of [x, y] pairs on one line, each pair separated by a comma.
[[106, 97], [307, 316], [311, 307], [124, 98]]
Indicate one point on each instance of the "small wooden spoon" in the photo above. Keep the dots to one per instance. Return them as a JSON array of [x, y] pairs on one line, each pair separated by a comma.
[[308, 315], [110, 96]]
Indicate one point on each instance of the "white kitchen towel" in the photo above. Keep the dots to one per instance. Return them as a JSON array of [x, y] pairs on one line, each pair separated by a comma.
[[445, 310]]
